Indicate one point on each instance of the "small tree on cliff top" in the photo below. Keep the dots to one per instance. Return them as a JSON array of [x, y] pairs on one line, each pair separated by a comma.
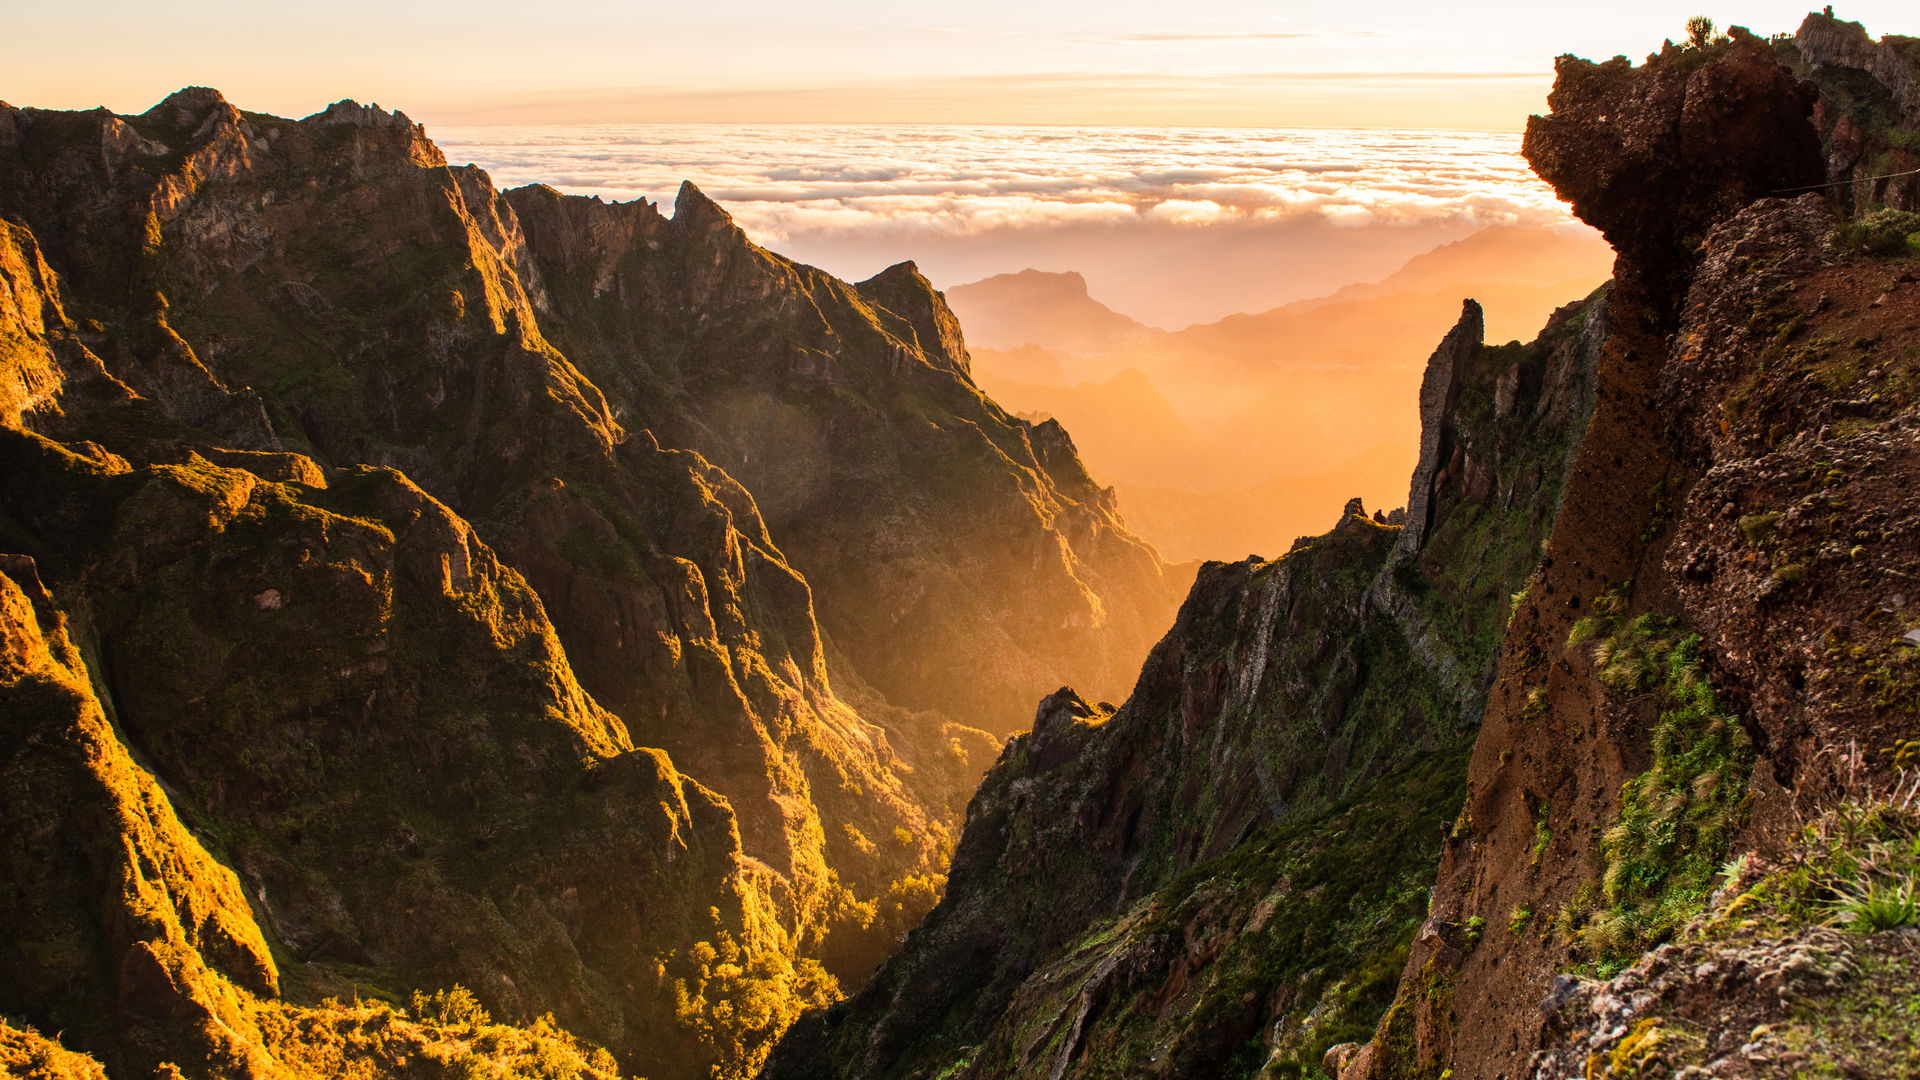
[[1699, 31]]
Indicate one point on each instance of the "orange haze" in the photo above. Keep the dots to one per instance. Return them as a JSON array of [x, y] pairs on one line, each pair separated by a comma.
[[1235, 437]]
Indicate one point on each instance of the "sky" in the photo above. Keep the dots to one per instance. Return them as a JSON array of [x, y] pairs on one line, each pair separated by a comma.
[[1387, 63]]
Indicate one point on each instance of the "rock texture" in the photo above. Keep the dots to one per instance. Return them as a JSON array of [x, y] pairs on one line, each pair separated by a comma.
[[962, 560], [1869, 110], [382, 524]]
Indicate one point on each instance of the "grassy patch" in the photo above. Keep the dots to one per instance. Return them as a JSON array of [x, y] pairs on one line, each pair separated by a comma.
[[1857, 867], [1677, 817]]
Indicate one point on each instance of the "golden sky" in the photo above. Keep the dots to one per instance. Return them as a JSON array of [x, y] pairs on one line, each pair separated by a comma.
[[1397, 63]]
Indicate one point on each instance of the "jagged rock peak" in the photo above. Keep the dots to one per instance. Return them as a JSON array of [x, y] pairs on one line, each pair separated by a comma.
[[901, 271], [349, 111], [906, 292], [1059, 710], [1439, 387], [185, 107], [692, 209]]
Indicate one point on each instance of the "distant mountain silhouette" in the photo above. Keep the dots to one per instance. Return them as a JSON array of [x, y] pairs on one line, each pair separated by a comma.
[[1034, 307], [1241, 434]]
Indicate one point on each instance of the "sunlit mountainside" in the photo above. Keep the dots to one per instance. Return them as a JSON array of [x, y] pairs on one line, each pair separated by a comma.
[[1240, 435], [960, 602]]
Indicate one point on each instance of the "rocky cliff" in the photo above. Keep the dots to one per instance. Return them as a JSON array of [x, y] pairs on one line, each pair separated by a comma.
[[424, 661], [1686, 777], [1680, 752], [1226, 870], [1868, 114], [962, 560]]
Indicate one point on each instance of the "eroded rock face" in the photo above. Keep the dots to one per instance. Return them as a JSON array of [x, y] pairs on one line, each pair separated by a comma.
[[1869, 112], [1744, 479], [1653, 155], [1222, 871]]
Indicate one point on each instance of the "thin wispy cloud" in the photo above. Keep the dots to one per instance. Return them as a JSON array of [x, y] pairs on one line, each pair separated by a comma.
[[1287, 35]]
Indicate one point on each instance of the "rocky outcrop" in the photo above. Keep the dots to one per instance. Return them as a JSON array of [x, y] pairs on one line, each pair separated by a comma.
[[1869, 110], [1893, 61], [1661, 707], [1163, 889], [1439, 394], [1653, 155]]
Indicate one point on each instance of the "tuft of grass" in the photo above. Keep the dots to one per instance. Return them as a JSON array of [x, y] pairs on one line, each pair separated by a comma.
[[1518, 920], [1759, 528], [1878, 904]]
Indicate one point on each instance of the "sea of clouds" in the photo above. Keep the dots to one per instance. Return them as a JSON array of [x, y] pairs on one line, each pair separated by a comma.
[[1169, 225]]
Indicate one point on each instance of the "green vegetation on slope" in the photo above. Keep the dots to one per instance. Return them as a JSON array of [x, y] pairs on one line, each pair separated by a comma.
[[1677, 818]]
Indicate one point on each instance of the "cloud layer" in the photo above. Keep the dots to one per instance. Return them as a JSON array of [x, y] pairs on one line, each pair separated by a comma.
[[968, 201]]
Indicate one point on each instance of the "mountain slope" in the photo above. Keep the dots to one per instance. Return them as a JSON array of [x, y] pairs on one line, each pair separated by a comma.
[[962, 560], [1144, 891], [467, 677]]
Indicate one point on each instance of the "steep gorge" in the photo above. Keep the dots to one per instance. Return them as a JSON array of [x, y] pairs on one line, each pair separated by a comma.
[[1233, 862], [1683, 824]]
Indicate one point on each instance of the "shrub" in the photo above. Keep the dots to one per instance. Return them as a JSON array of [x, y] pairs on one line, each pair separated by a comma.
[[455, 1006], [1885, 233]]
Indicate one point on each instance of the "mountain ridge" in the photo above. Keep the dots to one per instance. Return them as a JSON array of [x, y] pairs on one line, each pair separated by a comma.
[[470, 673]]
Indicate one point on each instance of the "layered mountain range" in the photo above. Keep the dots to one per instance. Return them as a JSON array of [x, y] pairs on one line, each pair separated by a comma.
[[412, 587], [446, 632]]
